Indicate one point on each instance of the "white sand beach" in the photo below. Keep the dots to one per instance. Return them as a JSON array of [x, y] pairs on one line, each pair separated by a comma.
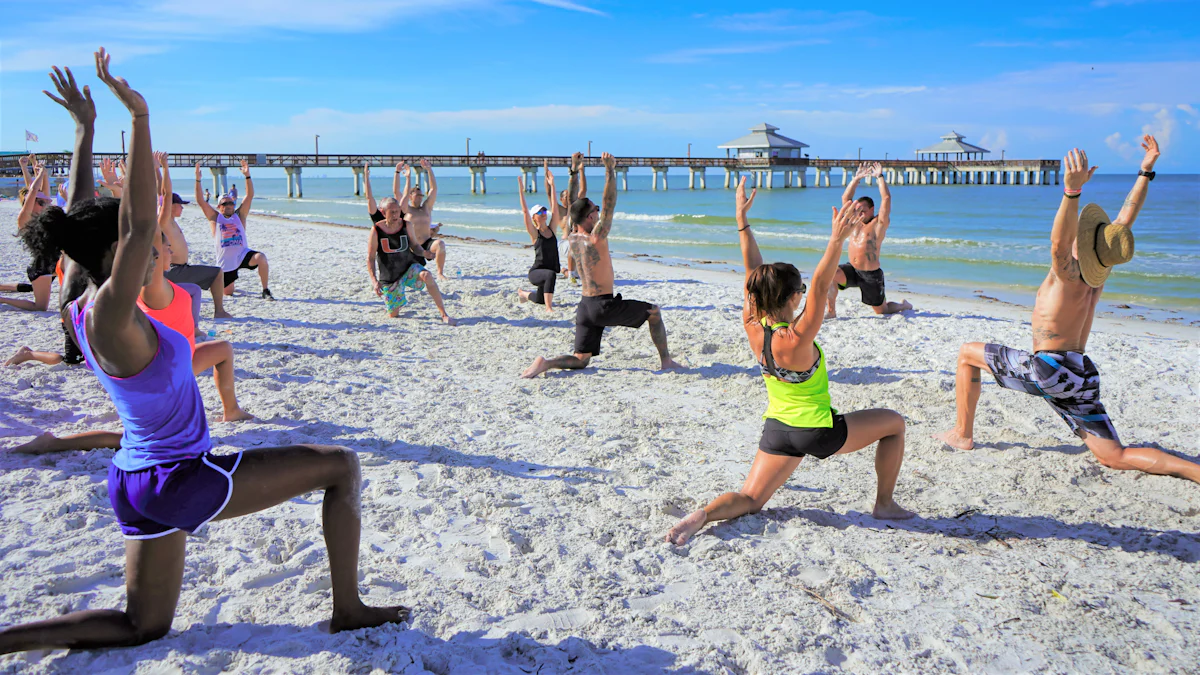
[[523, 520]]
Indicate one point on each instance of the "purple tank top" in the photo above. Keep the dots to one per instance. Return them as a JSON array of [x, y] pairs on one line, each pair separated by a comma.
[[160, 407]]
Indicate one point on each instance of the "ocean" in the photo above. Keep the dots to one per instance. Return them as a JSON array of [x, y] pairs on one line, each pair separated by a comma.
[[950, 240]]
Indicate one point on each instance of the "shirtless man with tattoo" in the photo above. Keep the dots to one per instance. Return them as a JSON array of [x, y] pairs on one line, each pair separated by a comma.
[[863, 270], [418, 212], [599, 308], [1083, 250]]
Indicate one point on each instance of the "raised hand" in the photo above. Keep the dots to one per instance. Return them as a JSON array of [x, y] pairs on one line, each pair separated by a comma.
[[425, 164], [23, 161], [1076, 171], [876, 170], [1150, 145], [576, 161], [549, 174], [198, 176], [521, 184], [367, 169], [610, 162], [864, 171], [121, 168], [120, 88], [844, 221], [245, 167], [80, 105], [161, 158], [742, 204], [403, 168]]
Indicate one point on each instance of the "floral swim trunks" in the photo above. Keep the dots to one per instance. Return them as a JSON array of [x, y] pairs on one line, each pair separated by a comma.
[[394, 293]]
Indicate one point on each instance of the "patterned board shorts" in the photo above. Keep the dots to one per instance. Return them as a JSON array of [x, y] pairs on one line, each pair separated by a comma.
[[1068, 381], [393, 293]]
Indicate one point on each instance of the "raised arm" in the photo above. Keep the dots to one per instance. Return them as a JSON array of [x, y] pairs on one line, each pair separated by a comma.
[[843, 223], [83, 111], [244, 209], [121, 333], [372, 207], [883, 215], [430, 198], [1137, 196], [610, 198], [751, 256], [209, 212], [26, 212], [863, 171], [556, 210], [26, 171], [401, 168], [1066, 222], [529, 226], [573, 189]]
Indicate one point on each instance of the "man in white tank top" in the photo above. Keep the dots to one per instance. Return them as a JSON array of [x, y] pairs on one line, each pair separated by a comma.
[[228, 223]]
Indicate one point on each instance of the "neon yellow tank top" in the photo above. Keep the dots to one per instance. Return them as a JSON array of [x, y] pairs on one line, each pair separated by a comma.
[[796, 404]]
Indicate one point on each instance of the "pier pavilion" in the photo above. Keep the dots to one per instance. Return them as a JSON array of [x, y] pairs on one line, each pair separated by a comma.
[[762, 143], [953, 148]]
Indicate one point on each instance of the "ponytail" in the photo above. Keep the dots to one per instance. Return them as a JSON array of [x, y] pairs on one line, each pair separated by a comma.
[[769, 287], [86, 235]]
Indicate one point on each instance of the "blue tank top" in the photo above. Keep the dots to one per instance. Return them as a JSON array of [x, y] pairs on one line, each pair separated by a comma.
[[160, 407]]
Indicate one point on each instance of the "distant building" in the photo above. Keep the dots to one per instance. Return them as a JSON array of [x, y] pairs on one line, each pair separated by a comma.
[[762, 141], [952, 147]]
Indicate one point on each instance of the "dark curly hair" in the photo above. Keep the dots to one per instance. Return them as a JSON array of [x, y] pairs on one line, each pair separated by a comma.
[[769, 287], [86, 235]]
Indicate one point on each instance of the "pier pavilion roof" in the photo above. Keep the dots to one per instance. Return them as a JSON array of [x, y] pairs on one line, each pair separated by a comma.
[[763, 136], [952, 143]]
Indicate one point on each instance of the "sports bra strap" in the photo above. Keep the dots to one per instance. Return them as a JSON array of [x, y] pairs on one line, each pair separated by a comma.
[[768, 357]]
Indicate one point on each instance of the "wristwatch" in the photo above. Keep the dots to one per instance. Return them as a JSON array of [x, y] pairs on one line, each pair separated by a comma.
[[1148, 174]]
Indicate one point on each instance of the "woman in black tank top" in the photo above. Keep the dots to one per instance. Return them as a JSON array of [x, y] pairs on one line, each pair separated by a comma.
[[540, 224]]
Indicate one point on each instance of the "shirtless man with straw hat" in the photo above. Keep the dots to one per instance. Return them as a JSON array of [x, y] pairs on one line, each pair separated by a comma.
[[1084, 248]]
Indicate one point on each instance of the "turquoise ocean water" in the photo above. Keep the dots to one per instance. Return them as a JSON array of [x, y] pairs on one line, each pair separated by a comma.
[[954, 240]]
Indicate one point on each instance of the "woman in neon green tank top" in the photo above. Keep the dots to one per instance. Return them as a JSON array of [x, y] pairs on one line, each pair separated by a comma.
[[799, 420]]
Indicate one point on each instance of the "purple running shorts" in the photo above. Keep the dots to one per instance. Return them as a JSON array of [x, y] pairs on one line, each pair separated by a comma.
[[166, 498]]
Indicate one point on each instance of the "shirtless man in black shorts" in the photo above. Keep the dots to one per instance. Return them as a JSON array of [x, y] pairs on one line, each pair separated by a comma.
[[863, 270], [599, 308], [1083, 250], [418, 212]]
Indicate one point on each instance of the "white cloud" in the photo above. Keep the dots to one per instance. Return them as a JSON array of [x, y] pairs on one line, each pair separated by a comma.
[[67, 55], [787, 20], [698, 54], [881, 91], [994, 143], [1162, 128], [565, 4], [1188, 109], [302, 15], [1122, 148], [209, 109]]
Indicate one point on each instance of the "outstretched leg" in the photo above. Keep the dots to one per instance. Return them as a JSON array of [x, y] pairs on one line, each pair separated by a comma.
[[967, 385], [541, 364], [887, 427], [88, 440], [26, 354], [658, 333], [1151, 460], [272, 476], [767, 474], [892, 307], [153, 575], [218, 355]]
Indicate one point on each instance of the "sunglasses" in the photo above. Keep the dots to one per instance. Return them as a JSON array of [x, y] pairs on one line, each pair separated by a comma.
[[41, 202]]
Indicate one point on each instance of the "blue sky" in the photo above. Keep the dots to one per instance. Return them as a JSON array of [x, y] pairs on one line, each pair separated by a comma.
[[636, 78]]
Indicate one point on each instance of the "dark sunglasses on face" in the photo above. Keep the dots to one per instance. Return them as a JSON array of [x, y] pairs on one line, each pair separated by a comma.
[[42, 202]]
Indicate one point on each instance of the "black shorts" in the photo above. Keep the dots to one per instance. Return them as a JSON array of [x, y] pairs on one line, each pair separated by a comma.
[[35, 273], [231, 277], [201, 275], [595, 312], [820, 442], [71, 353], [870, 282]]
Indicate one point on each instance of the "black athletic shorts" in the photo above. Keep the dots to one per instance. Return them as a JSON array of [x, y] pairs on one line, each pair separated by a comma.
[[201, 275], [595, 312], [870, 282], [231, 277], [35, 273], [820, 442]]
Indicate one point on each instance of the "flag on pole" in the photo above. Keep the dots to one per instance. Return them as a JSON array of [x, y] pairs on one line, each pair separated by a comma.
[[30, 136]]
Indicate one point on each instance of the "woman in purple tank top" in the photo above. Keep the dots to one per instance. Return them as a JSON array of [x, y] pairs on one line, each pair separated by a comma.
[[164, 483]]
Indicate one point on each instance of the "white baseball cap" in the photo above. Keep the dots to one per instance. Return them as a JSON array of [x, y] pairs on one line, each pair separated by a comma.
[[536, 209]]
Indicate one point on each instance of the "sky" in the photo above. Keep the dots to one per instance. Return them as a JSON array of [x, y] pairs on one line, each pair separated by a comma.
[[1031, 80]]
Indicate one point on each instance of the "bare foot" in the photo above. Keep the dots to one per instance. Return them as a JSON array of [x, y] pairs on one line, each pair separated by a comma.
[[368, 617], [236, 415], [830, 314], [669, 364], [222, 315], [891, 511], [443, 277], [954, 440], [538, 367], [39, 445], [523, 294], [23, 354], [684, 529], [906, 305], [448, 321]]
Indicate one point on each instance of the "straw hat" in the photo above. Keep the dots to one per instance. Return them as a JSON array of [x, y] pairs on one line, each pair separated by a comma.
[[1102, 244]]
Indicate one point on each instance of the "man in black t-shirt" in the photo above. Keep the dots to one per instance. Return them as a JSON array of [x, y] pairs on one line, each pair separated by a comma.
[[394, 258]]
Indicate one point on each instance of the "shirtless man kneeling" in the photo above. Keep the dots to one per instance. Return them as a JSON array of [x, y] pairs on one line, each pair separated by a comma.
[[418, 213], [863, 270], [1083, 250], [599, 308]]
